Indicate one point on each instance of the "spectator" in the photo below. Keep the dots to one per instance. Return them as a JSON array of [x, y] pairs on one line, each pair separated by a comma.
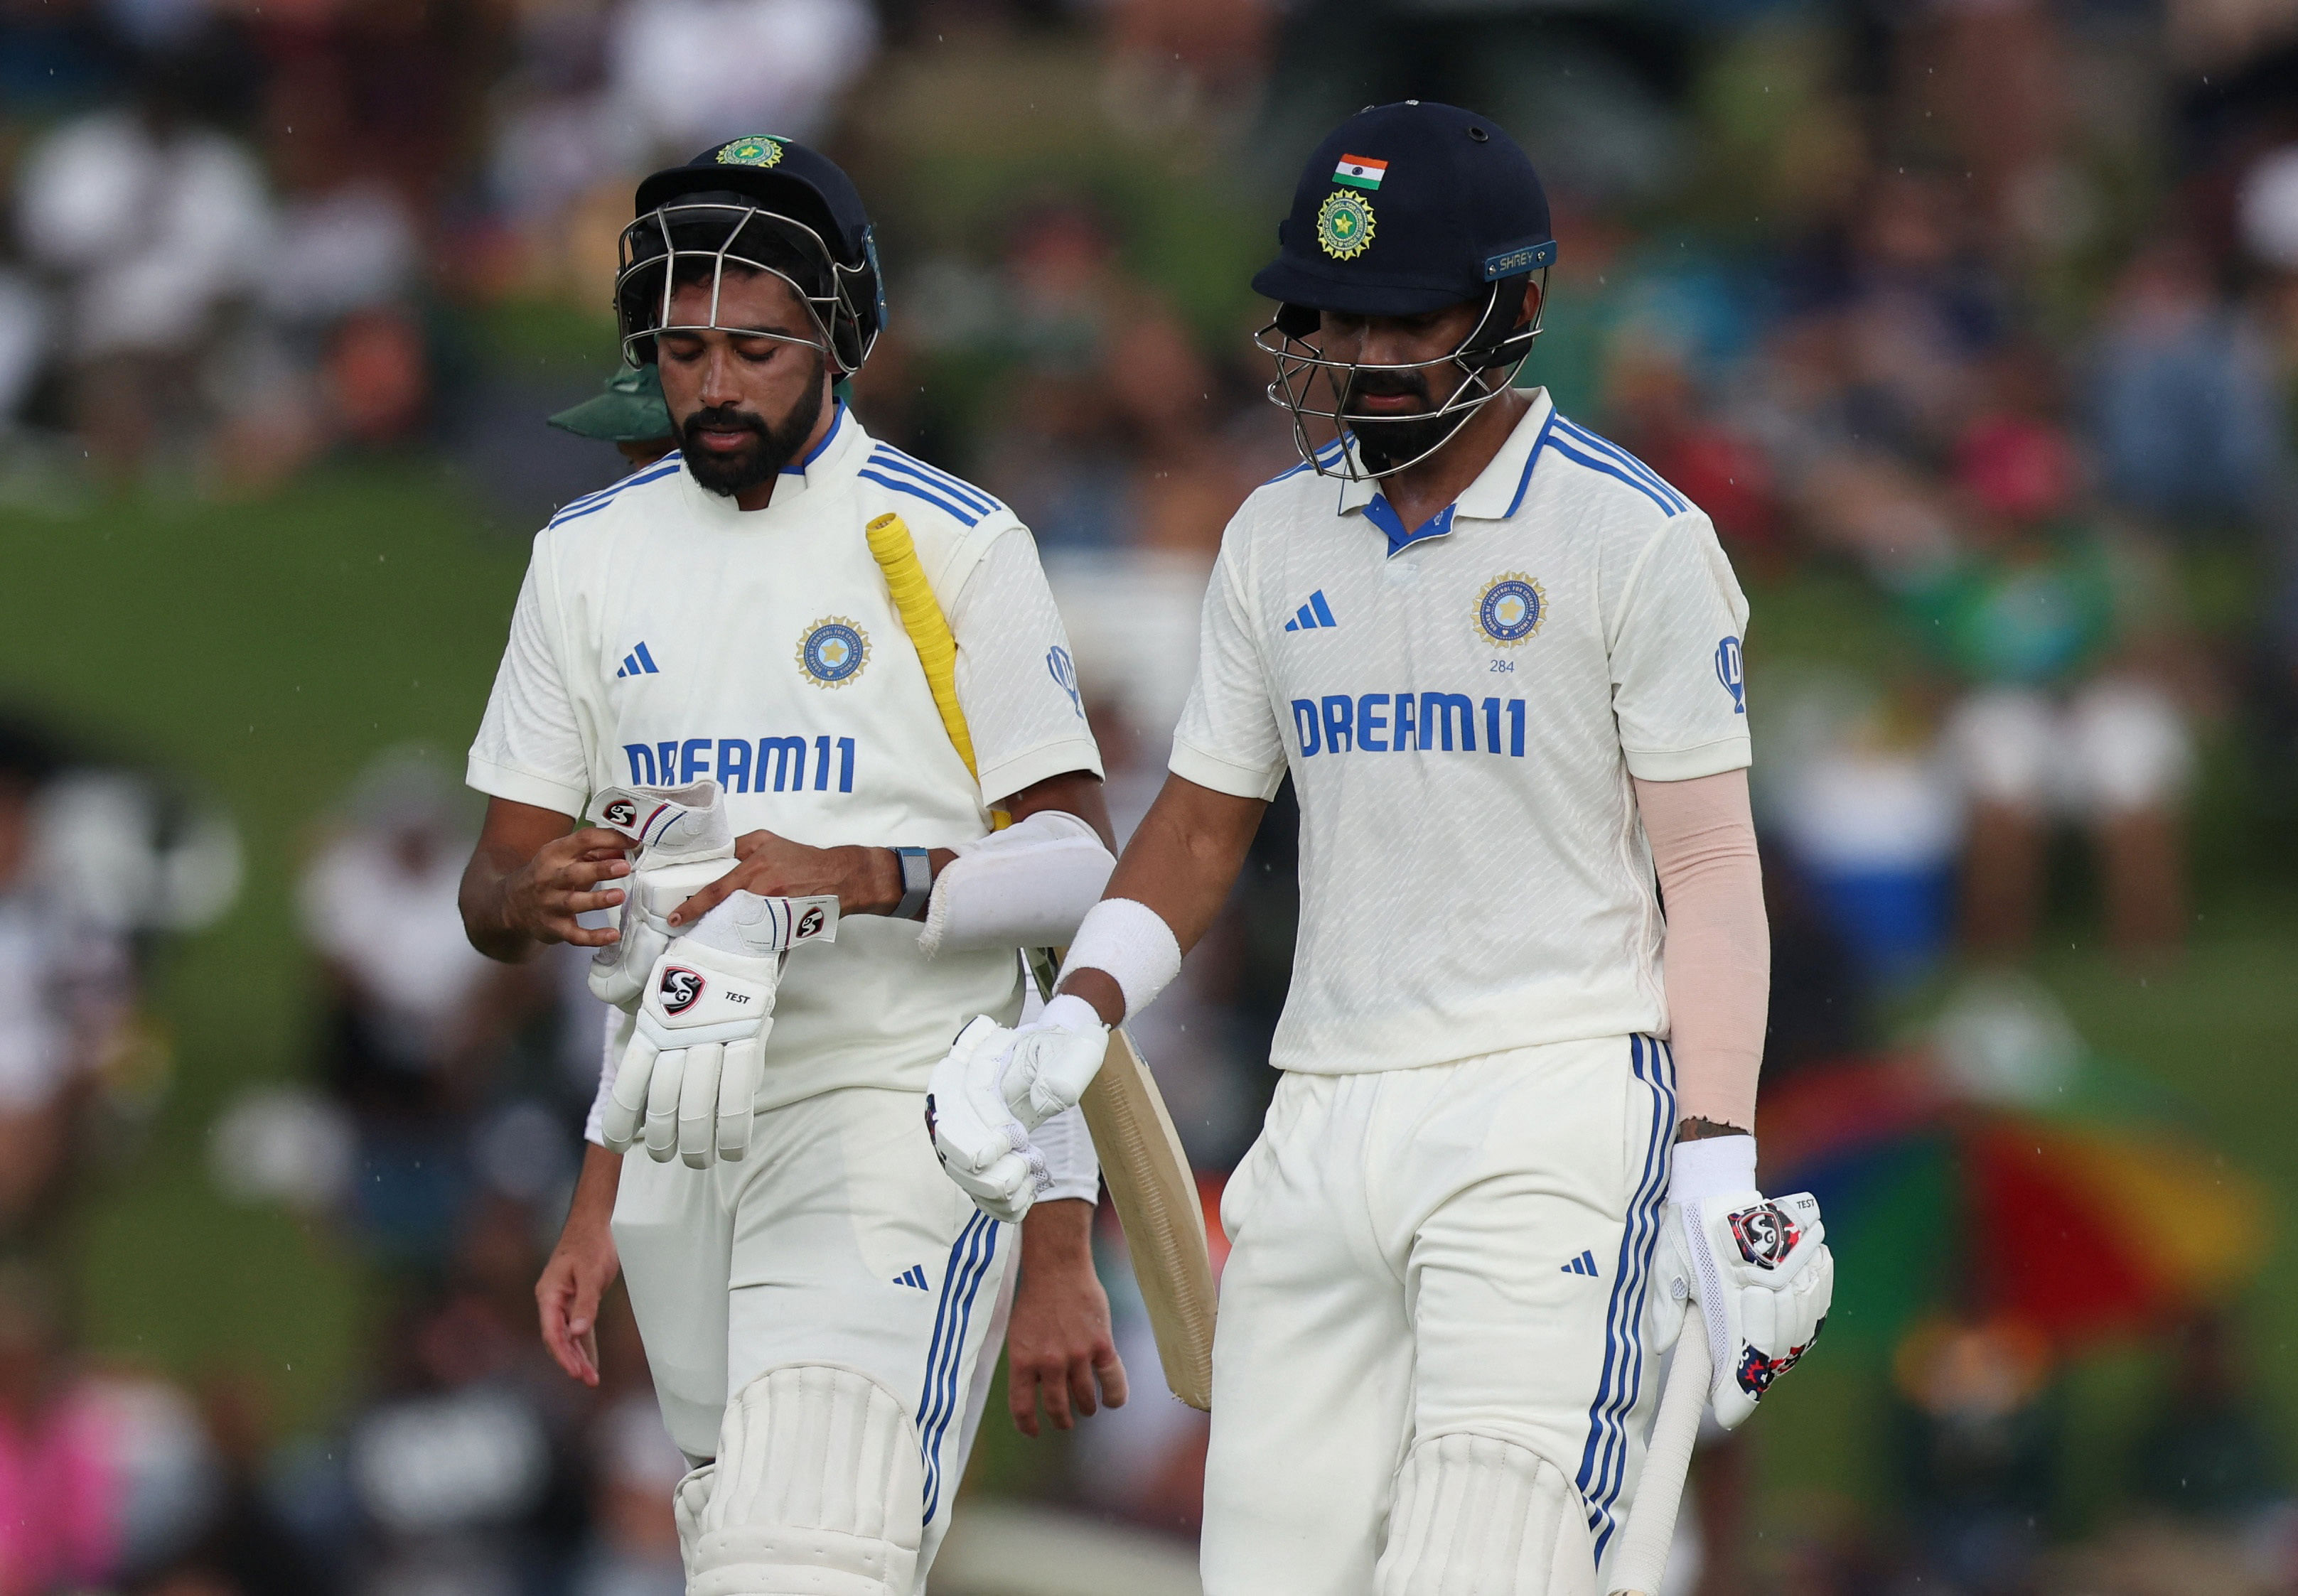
[[153, 225], [415, 1017], [59, 1520], [2183, 400], [66, 992]]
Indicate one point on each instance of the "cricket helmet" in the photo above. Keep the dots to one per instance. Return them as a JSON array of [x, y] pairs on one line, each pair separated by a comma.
[[1403, 210], [761, 203]]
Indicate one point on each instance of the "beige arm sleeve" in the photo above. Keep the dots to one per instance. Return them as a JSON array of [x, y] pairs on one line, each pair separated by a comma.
[[1718, 954]]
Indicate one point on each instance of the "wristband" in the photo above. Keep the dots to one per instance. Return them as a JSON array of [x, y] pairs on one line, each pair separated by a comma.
[[1712, 1166], [917, 882], [1131, 944]]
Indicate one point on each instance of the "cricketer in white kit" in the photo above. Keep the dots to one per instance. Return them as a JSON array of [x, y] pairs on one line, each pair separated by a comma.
[[736, 662], [1499, 659]]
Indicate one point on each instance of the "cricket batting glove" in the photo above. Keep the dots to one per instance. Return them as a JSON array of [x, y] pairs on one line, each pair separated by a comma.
[[684, 842], [997, 1085], [688, 1081], [1757, 1267]]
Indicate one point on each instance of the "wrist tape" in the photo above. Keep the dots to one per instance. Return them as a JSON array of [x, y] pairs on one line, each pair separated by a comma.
[[1712, 1166], [1131, 944]]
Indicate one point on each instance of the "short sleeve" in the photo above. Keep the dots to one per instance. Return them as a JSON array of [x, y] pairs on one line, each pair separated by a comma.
[[1228, 738], [529, 748], [1678, 689], [1016, 679]]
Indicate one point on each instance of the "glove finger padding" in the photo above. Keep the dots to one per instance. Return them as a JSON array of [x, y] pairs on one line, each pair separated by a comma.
[[971, 1125], [626, 1112], [661, 1104], [738, 1080], [698, 1105], [1764, 1278]]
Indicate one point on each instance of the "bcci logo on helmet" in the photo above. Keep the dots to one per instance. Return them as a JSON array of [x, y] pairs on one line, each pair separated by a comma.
[[1765, 1235], [1344, 227], [680, 989]]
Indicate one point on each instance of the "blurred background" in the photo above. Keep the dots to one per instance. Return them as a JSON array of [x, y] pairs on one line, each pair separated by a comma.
[[1972, 322]]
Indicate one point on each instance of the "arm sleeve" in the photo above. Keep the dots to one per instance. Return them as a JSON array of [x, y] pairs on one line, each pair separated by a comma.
[[529, 748], [1678, 691], [1228, 738], [1718, 958], [1070, 1158], [1016, 679]]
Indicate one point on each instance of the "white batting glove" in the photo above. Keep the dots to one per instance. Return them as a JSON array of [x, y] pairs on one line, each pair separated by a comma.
[[685, 842], [1757, 1267], [691, 1077], [995, 1086]]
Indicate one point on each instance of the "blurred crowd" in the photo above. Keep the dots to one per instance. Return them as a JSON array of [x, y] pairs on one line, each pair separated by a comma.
[[1973, 324]]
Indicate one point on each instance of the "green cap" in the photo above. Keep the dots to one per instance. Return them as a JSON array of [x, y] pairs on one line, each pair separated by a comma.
[[630, 411]]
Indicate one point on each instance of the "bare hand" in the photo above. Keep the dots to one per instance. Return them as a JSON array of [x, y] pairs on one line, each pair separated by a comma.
[[583, 1266], [541, 897], [774, 867], [1059, 1344]]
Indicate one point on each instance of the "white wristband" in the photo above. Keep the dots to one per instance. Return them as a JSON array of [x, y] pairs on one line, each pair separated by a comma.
[[1131, 944], [1712, 1166]]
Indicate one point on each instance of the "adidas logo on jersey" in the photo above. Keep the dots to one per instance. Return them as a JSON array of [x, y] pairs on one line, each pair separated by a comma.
[[1585, 1264], [913, 1276], [1312, 616], [638, 662]]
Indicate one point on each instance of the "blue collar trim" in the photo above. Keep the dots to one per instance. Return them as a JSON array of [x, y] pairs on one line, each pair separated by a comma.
[[836, 419], [1383, 515]]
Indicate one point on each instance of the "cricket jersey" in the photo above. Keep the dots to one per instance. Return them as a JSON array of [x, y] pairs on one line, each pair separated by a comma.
[[1461, 706], [664, 634]]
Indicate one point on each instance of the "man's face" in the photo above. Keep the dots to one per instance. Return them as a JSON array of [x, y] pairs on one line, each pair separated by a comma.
[[1393, 413], [743, 405]]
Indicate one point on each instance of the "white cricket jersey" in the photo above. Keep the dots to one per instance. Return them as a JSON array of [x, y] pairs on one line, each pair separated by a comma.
[[664, 635], [1461, 706]]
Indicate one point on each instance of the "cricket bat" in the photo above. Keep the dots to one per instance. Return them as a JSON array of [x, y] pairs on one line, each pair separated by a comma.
[[1142, 1161], [1659, 1494]]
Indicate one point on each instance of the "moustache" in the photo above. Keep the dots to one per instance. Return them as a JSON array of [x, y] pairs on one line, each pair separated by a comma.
[[724, 418]]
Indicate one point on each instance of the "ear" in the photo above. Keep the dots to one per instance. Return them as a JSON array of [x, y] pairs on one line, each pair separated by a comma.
[[1530, 311]]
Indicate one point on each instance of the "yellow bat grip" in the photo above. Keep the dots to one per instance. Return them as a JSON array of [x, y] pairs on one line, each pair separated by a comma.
[[929, 634]]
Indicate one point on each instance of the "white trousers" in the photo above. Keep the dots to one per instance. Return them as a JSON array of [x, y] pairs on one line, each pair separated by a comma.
[[837, 1240], [1461, 1250]]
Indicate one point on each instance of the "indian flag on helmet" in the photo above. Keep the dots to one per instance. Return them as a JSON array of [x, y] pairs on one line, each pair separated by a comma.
[[1360, 171]]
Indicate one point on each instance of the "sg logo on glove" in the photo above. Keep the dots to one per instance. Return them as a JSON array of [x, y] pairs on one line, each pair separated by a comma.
[[680, 987], [1765, 1235], [621, 812]]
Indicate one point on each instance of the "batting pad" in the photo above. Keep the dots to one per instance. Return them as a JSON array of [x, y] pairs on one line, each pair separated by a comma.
[[819, 1490], [1476, 1516], [688, 1499]]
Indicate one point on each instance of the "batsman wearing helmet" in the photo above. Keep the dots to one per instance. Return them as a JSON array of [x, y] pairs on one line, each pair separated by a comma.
[[815, 702], [1500, 658]]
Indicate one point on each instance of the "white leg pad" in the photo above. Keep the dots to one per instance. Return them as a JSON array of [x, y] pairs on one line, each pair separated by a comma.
[[819, 1490], [1476, 1516], [688, 1499]]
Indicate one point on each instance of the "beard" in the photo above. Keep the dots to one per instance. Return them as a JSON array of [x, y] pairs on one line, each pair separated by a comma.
[[772, 445], [1385, 442]]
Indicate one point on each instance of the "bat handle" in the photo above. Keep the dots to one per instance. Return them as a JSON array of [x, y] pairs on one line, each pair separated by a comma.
[[1651, 1522]]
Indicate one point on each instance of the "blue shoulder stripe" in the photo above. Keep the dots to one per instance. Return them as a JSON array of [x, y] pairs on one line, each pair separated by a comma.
[[1327, 456], [1531, 460], [1606, 446], [903, 485], [887, 454], [888, 459], [591, 502], [1595, 462]]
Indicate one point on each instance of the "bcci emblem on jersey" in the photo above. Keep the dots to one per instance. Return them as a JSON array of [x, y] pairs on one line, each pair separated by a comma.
[[1512, 608], [833, 651]]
